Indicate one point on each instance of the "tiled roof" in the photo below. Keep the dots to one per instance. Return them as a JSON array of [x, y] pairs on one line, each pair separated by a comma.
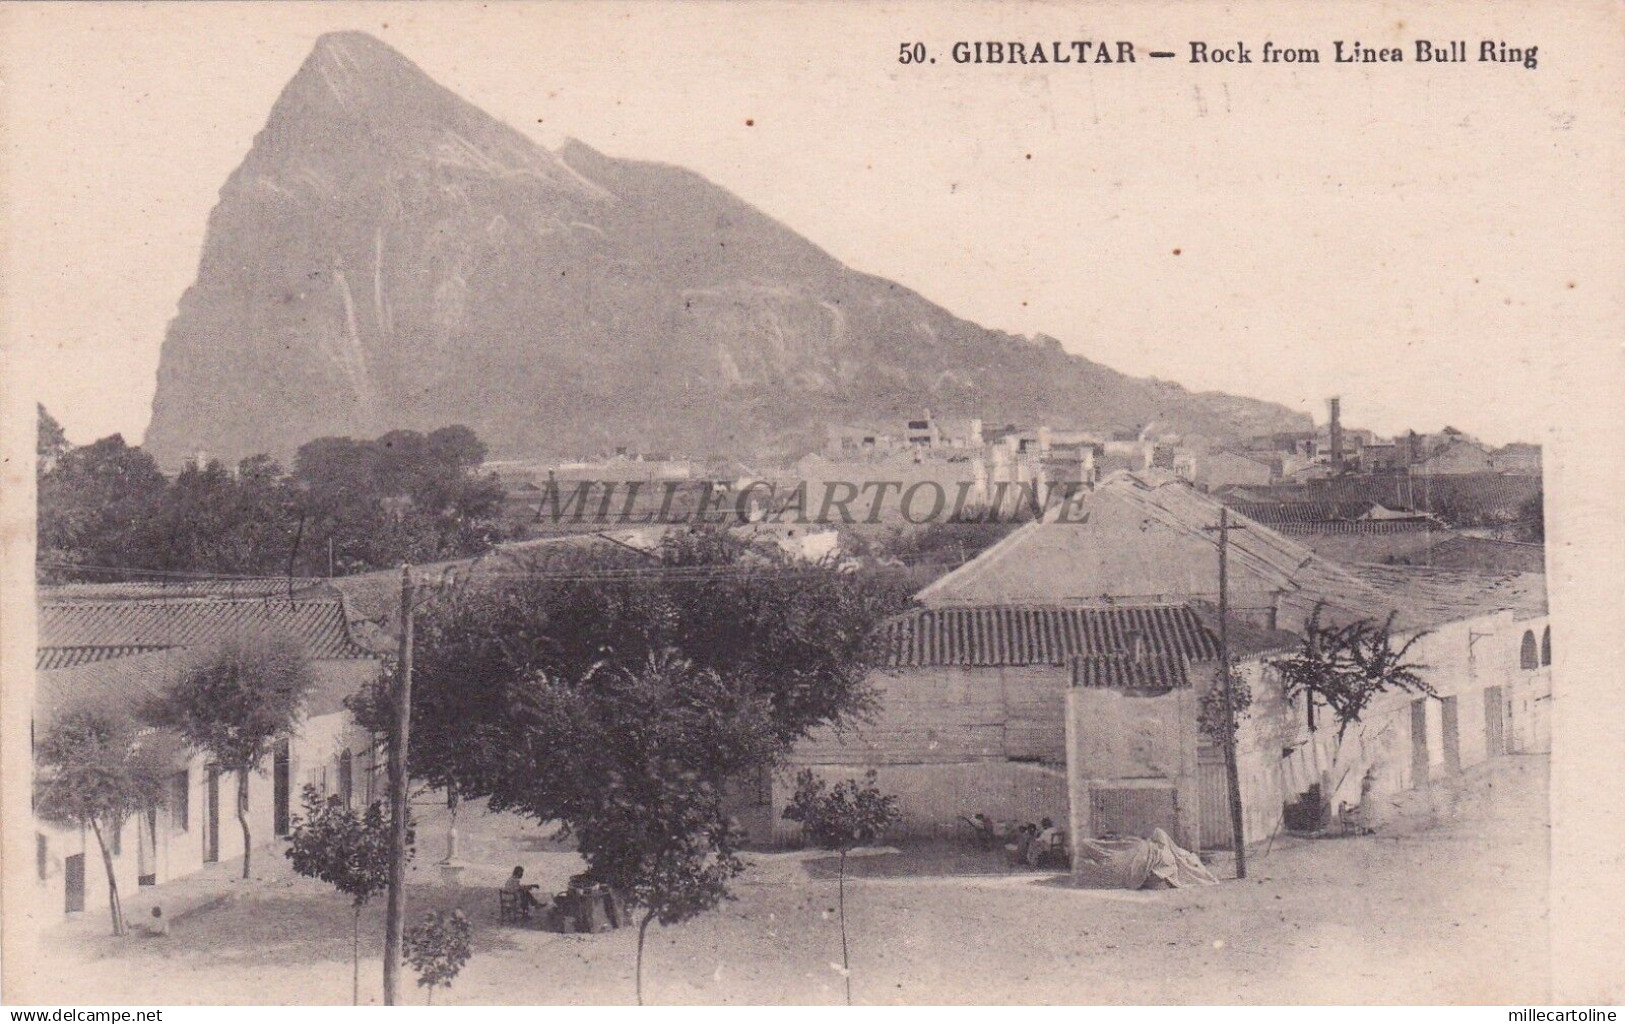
[[50, 658], [1042, 635], [1364, 527], [1125, 672], [125, 683], [1300, 512], [1448, 496], [277, 586], [128, 683], [192, 622]]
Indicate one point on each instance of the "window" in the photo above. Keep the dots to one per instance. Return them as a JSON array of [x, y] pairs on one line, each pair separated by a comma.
[[42, 855], [1546, 646], [1529, 655], [180, 802]]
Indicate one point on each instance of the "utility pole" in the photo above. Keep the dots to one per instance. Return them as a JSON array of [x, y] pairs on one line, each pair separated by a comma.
[[395, 910], [1232, 774]]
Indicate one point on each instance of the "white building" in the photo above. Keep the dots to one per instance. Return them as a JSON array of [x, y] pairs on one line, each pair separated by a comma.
[[118, 652]]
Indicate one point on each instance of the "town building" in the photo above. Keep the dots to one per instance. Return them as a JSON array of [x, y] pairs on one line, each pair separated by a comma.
[[1117, 600], [1519, 458], [1212, 470], [119, 646], [923, 431], [1457, 458]]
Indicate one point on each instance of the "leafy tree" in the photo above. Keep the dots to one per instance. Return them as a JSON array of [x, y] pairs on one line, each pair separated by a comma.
[[438, 948], [95, 770], [618, 702], [1530, 521], [801, 637], [843, 818], [1210, 716], [1346, 668], [235, 701], [89, 500], [402, 497], [53, 442], [632, 763], [214, 520], [348, 851]]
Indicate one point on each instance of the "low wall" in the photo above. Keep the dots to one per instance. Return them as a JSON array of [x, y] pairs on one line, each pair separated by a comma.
[[932, 797]]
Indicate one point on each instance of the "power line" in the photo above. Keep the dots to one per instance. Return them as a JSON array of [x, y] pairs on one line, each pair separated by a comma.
[[468, 574]]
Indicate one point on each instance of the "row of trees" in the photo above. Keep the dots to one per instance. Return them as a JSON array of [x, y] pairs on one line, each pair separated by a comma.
[[100, 764], [347, 506]]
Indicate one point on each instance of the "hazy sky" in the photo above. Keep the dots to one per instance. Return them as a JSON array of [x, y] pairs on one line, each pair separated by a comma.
[[1398, 235]]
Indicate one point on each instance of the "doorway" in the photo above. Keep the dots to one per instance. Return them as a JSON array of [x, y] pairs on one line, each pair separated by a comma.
[[1495, 743], [1452, 735], [211, 817], [73, 875], [281, 785], [1419, 742], [147, 847]]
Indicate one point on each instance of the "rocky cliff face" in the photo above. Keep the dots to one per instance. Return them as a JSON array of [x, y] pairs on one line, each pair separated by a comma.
[[389, 256]]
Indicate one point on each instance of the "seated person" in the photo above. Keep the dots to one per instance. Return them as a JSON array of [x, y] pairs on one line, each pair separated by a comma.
[[157, 928], [1043, 843], [1022, 848], [527, 891]]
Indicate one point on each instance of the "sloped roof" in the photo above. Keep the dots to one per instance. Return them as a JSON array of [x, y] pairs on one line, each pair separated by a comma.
[[1438, 594], [1460, 551], [1150, 536], [277, 586], [190, 622], [1039, 635], [129, 683], [47, 658], [120, 683], [1244, 637], [1364, 527], [1123, 672], [1299, 512]]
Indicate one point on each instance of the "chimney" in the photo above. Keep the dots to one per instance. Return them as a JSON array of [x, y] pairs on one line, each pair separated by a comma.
[[1336, 430]]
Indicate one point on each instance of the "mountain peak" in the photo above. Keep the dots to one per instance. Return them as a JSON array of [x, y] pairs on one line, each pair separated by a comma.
[[357, 109], [388, 255], [353, 69]]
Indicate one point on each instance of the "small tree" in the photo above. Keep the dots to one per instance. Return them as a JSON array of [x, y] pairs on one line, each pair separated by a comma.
[[633, 762], [235, 701], [1346, 668], [1210, 717], [666, 846], [848, 816], [348, 851], [95, 770], [438, 948]]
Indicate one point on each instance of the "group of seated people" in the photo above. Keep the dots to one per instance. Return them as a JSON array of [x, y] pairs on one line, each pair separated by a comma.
[[1039, 844], [583, 906], [1034, 845]]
